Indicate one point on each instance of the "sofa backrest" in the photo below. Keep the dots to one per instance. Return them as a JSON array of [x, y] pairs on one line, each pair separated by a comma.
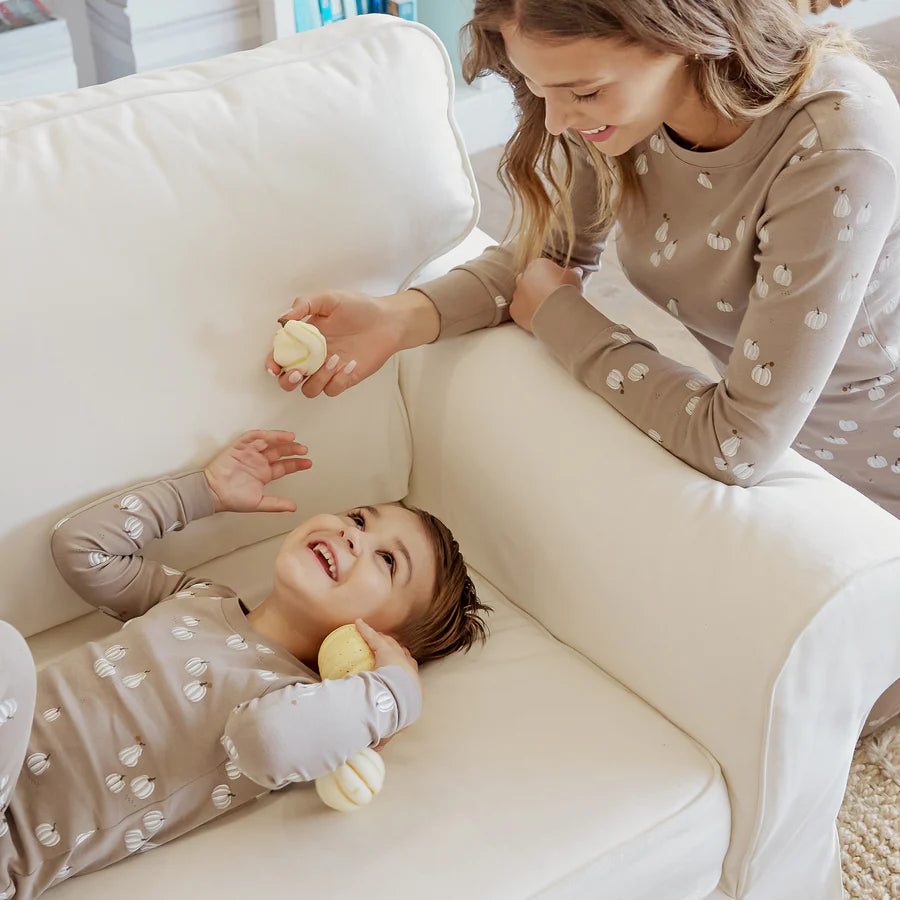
[[151, 232]]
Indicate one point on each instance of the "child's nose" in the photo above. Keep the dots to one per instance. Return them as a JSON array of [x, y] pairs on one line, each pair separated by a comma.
[[353, 537]]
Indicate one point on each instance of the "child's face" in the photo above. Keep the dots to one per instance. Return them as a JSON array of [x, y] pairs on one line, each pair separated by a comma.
[[375, 563]]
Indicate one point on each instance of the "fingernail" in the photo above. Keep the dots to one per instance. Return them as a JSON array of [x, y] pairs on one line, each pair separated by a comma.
[[273, 374], [350, 367], [294, 377], [331, 365]]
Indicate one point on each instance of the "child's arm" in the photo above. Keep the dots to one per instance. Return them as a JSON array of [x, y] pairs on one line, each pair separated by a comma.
[[96, 549], [303, 731]]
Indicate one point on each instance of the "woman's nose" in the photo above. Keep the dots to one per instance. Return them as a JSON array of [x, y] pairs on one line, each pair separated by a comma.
[[556, 117]]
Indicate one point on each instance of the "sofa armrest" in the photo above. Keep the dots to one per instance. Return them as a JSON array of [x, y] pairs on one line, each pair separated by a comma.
[[763, 621]]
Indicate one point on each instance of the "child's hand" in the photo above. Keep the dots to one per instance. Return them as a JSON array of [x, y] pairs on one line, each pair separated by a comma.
[[389, 652], [239, 473]]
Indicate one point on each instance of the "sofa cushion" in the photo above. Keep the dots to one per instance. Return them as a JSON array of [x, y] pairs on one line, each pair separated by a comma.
[[152, 230], [530, 773]]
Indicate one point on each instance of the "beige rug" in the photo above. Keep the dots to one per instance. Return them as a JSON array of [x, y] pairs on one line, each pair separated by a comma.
[[869, 821]]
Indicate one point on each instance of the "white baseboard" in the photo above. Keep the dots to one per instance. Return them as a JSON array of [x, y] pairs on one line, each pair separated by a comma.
[[485, 113]]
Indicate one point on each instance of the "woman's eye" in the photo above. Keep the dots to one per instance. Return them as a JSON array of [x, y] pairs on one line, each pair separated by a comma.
[[357, 519], [389, 559], [584, 98]]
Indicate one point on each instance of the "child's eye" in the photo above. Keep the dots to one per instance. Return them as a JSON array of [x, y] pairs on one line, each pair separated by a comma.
[[389, 559], [585, 98], [358, 519]]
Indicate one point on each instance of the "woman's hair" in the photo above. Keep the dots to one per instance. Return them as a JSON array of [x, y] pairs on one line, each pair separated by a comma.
[[453, 618], [745, 58]]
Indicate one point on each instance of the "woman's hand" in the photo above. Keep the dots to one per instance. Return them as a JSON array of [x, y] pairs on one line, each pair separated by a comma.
[[362, 333], [533, 286], [239, 473]]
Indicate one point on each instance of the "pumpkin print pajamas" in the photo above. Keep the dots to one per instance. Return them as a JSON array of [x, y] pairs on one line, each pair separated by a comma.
[[186, 712], [781, 255]]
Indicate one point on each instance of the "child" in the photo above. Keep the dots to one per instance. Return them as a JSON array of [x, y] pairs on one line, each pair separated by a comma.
[[199, 704]]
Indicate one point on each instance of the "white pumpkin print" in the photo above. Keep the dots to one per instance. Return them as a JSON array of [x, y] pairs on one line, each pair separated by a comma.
[[865, 338], [185, 594], [64, 872], [762, 286], [232, 771], [190, 621], [131, 503], [47, 834], [842, 207], [762, 374], [655, 259], [751, 349], [876, 392], [809, 139], [52, 714], [864, 215], [653, 433], [104, 668], [235, 642], [672, 307], [670, 249], [266, 675], [195, 691], [262, 648], [657, 144], [8, 708], [173, 527], [4, 829], [877, 462], [731, 446], [847, 291], [168, 570], [896, 432], [884, 379], [115, 653], [83, 837], [384, 701], [134, 527], [764, 234], [662, 233], [228, 744], [195, 666], [801, 446], [38, 763], [97, 558], [807, 396], [884, 265], [743, 471], [847, 425], [895, 467], [691, 406], [182, 634], [892, 352], [717, 241], [783, 275], [872, 287], [614, 380], [741, 229], [638, 371], [135, 680], [130, 755], [831, 439], [824, 454], [795, 159], [724, 306], [222, 796], [142, 786], [845, 235], [695, 384], [640, 164], [115, 782], [153, 820], [720, 463], [815, 319], [134, 839], [703, 179]]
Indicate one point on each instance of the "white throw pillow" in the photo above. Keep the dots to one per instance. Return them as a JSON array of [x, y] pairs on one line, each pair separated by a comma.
[[152, 230]]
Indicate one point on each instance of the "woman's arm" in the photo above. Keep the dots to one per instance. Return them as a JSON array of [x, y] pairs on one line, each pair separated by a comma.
[[814, 267]]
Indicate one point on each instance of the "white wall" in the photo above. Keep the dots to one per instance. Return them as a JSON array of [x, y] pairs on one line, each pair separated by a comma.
[[860, 13]]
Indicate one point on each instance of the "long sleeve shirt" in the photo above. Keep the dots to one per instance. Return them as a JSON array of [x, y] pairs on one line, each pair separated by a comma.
[[780, 254], [185, 713]]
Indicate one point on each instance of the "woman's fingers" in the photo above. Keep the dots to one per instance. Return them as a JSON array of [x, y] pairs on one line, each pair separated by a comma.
[[316, 383], [345, 377]]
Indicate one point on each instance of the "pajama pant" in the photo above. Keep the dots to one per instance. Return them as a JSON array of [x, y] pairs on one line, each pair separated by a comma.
[[18, 685]]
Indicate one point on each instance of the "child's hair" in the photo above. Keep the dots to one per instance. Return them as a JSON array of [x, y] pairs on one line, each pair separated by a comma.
[[452, 620], [745, 57]]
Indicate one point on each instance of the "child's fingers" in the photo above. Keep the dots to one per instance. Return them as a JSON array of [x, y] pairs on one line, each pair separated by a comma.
[[372, 637], [289, 466], [274, 452], [276, 504]]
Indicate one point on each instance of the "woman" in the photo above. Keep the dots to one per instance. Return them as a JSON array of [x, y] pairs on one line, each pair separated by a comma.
[[749, 164]]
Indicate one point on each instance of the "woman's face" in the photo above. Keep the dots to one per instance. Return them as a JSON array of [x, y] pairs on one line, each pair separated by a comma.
[[615, 95]]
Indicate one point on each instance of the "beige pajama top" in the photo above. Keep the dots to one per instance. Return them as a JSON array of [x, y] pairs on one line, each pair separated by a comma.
[[781, 254], [184, 714]]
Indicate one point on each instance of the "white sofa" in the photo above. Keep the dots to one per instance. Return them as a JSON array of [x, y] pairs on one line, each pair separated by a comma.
[[677, 671]]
